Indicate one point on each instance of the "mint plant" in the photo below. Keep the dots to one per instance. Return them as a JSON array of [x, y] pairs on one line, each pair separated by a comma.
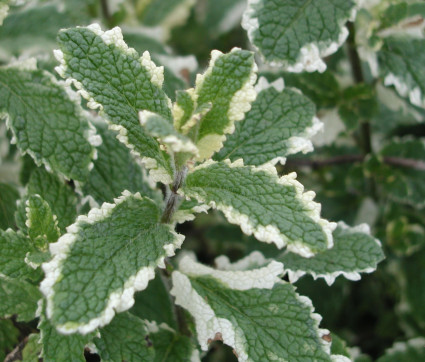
[[124, 152]]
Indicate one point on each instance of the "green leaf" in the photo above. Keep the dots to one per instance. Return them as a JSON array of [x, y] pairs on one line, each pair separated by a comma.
[[223, 15], [273, 209], [403, 183], [60, 197], [4, 9], [114, 171], [154, 303], [32, 350], [42, 224], [412, 350], [355, 251], [401, 62], [18, 297], [296, 34], [280, 122], [171, 346], [229, 101], [166, 134], [8, 337], [8, 197], [124, 339], [45, 122], [103, 260], [405, 17], [258, 315], [60, 347], [14, 247], [187, 210], [115, 79]]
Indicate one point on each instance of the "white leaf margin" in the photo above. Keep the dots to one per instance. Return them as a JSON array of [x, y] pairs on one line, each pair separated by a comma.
[[354, 275], [121, 299], [208, 325], [270, 233], [115, 36], [310, 55]]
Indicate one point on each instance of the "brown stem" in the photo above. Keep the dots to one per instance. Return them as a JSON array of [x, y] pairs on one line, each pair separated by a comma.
[[16, 354]]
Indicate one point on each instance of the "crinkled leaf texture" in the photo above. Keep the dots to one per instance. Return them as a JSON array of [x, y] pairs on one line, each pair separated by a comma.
[[45, 122], [227, 87], [280, 122], [112, 77], [254, 312], [355, 251], [276, 210], [103, 259], [297, 34], [401, 62]]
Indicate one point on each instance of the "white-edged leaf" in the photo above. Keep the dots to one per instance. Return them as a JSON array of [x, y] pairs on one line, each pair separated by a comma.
[[228, 86], [280, 123], [297, 34], [45, 122], [275, 210], [259, 316], [409, 351], [4, 9], [355, 251], [103, 260], [124, 339], [113, 78]]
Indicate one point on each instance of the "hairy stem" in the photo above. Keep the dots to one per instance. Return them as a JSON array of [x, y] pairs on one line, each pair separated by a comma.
[[173, 198]]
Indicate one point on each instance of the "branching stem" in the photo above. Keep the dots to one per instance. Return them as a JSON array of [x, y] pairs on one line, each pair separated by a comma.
[[173, 198]]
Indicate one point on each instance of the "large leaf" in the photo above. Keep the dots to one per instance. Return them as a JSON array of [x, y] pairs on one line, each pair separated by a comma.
[[124, 339], [18, 297], [114, 171], [8, 197], [354, 252], [296, 34], [115, 79], [227, 85], [103, 260], [259, 316], [401, 61], [46, 123], [276, 210], [280, 122]]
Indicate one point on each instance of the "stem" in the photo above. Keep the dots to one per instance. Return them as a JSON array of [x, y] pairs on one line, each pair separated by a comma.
[[173, 197], [105, 12], [16, 354]]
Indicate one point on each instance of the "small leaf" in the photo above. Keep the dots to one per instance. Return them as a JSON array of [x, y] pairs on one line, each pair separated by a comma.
[[412, 350], [8, 197], [45, 122], [296, 34], [228, 86], [114, 171], [187, 211], [171, 346], [280, 122], [258, 315], [275, 210], [124, 339], [32, 350], [103, 260], [354, 252], [115, 79], [18, 297], [401, 61]]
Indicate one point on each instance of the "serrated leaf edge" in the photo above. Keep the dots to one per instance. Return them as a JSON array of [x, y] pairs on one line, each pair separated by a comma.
[[114, 36], [294, 275], [310, 55], [270, 233], [119, 300], [256, 258], [415, 95], [207, 323]]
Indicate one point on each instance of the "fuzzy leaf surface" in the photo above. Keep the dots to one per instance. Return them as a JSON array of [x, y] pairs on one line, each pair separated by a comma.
[[401, 60], [46, 123], [18, 297], [115, 79], [103, 259], [255, 313], [124, 339], [297, 33], [279, 123], [114, 171], [354, 251], [227, 85], [273, 209]]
